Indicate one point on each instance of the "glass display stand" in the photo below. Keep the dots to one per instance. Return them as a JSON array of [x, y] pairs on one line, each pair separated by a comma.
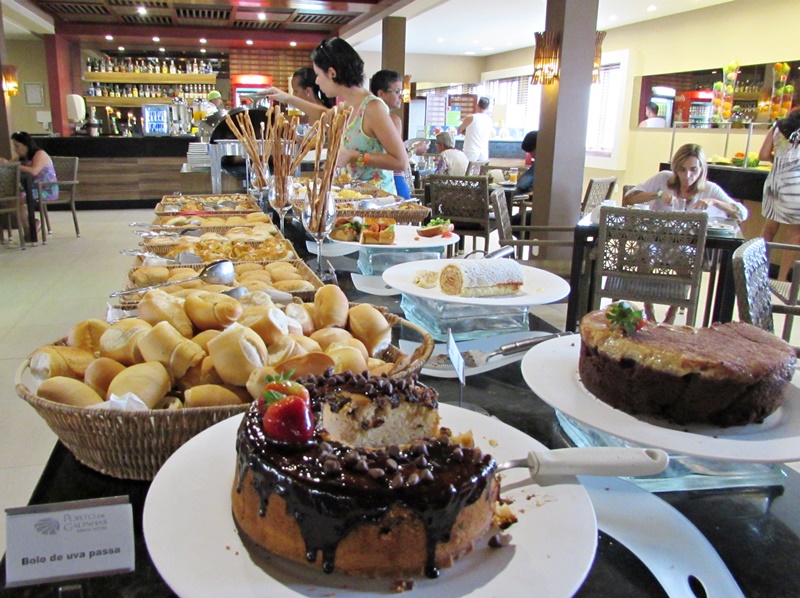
[[683, 472], [375, 259], [467, 322]]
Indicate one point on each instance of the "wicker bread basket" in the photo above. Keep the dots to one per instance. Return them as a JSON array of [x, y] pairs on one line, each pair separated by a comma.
[[135, 444]]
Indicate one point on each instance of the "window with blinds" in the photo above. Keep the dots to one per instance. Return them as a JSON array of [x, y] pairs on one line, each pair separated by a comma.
[[602, 127]]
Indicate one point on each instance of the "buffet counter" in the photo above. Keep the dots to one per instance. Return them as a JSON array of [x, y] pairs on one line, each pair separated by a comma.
[[122, 172], [754, 529]]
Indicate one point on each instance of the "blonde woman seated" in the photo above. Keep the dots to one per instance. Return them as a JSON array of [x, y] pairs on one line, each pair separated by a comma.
[[684, 185], [452, 161], [686, 181]]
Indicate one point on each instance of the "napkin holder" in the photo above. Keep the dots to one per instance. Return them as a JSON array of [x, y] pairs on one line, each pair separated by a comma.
[[467, 322]]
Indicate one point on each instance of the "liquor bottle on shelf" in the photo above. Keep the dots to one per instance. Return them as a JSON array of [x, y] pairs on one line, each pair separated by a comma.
[[164, 67], [172, 68]]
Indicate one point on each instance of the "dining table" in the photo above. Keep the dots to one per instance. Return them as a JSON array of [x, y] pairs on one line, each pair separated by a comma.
[[721, 295], [754, 529]]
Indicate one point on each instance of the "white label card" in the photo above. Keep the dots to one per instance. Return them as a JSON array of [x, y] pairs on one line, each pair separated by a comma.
[[455, 356], [69, 540]]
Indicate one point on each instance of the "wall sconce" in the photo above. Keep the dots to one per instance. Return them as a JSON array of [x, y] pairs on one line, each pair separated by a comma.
[[10, 81], [406, 89], [598, 55], [545, 58]]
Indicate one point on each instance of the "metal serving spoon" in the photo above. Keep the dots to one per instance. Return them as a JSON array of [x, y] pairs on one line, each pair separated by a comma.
[[218, 272]]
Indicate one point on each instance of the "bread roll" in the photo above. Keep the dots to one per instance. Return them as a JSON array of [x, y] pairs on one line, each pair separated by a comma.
[[129, 323], [346, 358], [86, 335], [352, 342], [314, 363], [149, 275], [309, 344], [68, 391], [202, 373], [255, 275], [254, 286], [212, 310], [283, 349], [370, 326], [203, 337], [254, 298], [300, 314], [270, 323], [209, 395], [123, 345], [159, 306], [236, 352], [247, 267], [100, 373], [251, 217], [326, 336], [293, 285], [275, 266], [55, 360], [385, 367], [163, 343], [330, 307], [258, 380], [280, 274], [149, 381]]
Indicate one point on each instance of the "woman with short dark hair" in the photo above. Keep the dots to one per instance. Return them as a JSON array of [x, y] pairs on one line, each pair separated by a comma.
[[304, 86], [372, 149], [36, 162]]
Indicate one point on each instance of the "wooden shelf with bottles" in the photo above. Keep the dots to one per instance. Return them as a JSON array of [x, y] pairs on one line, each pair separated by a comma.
[[150, 78], [123, 102]]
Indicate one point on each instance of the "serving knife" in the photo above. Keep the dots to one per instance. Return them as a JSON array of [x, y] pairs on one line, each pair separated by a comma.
[[596, 461]]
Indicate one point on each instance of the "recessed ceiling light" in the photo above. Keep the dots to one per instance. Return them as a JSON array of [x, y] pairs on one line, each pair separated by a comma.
[[156, 39], [440, 40], [612, 18], [202, 40], [487, 49], [470, 53], [141, 10], [249, 42], [202, 50], [262, 16], [109, 37], [121, 48], [293, 44], [161, 50], [651, 8]]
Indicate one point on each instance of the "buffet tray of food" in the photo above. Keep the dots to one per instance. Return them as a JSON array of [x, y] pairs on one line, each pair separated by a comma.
[[193, 363], [210, 249], [224, 203], [290, 276], [212, 222]]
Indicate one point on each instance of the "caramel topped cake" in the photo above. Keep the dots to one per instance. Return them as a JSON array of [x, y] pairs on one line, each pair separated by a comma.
[[382, 503], [727, 374]]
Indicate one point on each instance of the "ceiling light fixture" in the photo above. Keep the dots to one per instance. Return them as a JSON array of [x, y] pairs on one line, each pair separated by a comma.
[[202, 40], [262, 16], [141, 10], [110, 37], [293, 44], [162, 50], [545, 58], [121, 48], [249, 42], [202, 50], [156, 39], [487, 49]]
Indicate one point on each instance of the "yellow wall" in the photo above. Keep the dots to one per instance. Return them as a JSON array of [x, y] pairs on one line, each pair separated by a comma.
[[28, 57]]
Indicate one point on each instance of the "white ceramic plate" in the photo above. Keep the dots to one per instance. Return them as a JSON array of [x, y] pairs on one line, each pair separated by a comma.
[[192, 539], [539, 287], [439, 366], [551, 371], [406, 237]]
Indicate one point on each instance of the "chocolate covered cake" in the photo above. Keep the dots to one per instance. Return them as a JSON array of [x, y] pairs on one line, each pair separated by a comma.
[[727, 375], [390, 494]]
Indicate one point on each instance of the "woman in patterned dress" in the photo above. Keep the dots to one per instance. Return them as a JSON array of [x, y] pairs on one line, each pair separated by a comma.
[[781, 197], [372, 149], [36, 162]]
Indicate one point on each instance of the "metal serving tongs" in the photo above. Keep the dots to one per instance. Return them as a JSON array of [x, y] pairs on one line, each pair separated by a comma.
[[598, 461]]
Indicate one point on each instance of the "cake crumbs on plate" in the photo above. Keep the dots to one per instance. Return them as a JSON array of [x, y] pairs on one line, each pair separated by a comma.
[[402, 585], [493, 442]]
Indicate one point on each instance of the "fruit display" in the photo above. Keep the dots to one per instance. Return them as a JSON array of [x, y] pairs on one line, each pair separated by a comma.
[[782, 92], [750, 160], [723, 92]]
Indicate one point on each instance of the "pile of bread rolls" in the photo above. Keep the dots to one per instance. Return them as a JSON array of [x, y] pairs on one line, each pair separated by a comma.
[[248, 219], [224, 249], [208, 349], [280, 276]]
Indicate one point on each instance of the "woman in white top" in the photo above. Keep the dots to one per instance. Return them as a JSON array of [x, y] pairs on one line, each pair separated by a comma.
[[451, 161], [687, 181]]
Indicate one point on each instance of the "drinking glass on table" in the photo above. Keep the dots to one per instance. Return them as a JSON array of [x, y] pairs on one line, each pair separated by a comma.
[[513, 173], [280, 192], [678, 204], [318, 217]]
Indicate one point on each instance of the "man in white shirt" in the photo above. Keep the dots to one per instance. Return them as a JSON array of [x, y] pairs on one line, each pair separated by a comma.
[[477, 129], [653, 120], [451, 161]]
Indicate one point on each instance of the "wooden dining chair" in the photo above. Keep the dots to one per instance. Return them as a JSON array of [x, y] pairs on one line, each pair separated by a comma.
[[653, 257], [10, 201], [755, 290], [531, 242], [465, 201], [66, 168], [597, 191]]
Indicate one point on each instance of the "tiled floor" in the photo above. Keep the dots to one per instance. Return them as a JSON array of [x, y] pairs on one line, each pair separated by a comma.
[[48, 288]]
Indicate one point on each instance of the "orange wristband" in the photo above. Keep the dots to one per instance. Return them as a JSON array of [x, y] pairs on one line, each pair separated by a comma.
[[366, 159]]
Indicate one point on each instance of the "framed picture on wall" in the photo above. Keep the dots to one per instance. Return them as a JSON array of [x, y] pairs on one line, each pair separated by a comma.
[[34, 94]]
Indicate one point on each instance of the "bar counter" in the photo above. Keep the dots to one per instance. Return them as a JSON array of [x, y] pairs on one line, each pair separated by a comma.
[[755, 530], [122, 172]]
